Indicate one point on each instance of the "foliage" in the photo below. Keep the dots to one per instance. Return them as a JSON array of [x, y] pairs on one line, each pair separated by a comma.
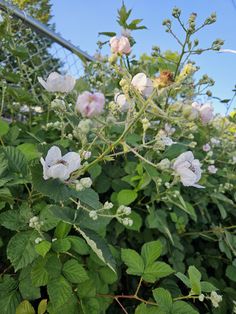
[[141, 238]]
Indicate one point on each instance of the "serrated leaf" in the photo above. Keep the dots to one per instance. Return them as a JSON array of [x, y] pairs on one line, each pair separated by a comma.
[[11, 219], [148, 309], [29, 150], [78, 245], [61, 245], [74, 272], [59, 291], [134, 262], [27, 289], [25, 307], [39, 274], [55, 189], [195, 279], [107, 275], [163, 299], [16, 160], [20, 249], [99, 246], [43, 247], [182, 307], [151, 251], [156, 271]]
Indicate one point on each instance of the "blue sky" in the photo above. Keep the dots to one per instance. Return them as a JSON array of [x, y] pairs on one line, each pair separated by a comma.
[[80, 21]]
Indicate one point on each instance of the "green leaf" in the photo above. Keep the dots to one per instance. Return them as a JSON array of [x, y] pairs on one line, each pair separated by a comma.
[[151, 251], [59, 291], [107, 275], [55, 189], [134, 262], [74, 272], [11, 219], [62, 230], [231, 272], [207, 286], [137, 221], [25, 308], [182, 307], [39, 274], [29, 150], [163, 299], [4, 127], [174, 151], [156, 271], [16, 160], [78, 245], [42, 306], [88, 197], [66, 214], [27, 289], [126, 197], [195, 279], [61, 245], [99, 246], [20, 249], [43, 247], [148, 309], [109, 34], [184, 279], [87, 289]]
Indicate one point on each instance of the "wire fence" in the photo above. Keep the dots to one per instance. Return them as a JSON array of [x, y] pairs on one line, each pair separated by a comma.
[[30, 49]]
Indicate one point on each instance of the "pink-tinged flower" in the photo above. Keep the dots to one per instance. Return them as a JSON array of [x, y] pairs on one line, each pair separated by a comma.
[[189, 169], [58, 83], [212, 169], [120, 45], [206, 147], [206, 113], [195, 110], [143, 84], [90, 104], [121, 101], [57, 166]]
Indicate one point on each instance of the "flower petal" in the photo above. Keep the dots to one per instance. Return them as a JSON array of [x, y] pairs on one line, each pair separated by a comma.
[[73, 161], [58, 171], [53, 156]]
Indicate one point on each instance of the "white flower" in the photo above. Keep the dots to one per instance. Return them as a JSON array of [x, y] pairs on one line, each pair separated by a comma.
[[56, 166], [93, 214], [86, 182], [206, 147], [206, 113], [169, 129], [215, 141], [38, 240], [201, 297], [120, 100], [127, 222], [189, 169], [58, 83], [90, 104], [234, 160], [215, 298], [108, 205], [164, 164], [167, 141], [143, 84], [212, 169]]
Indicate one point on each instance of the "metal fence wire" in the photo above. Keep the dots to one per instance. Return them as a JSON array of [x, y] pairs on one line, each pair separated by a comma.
[[29, 49]]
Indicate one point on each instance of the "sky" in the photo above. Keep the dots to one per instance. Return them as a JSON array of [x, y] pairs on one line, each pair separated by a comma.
[[80, 22]]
